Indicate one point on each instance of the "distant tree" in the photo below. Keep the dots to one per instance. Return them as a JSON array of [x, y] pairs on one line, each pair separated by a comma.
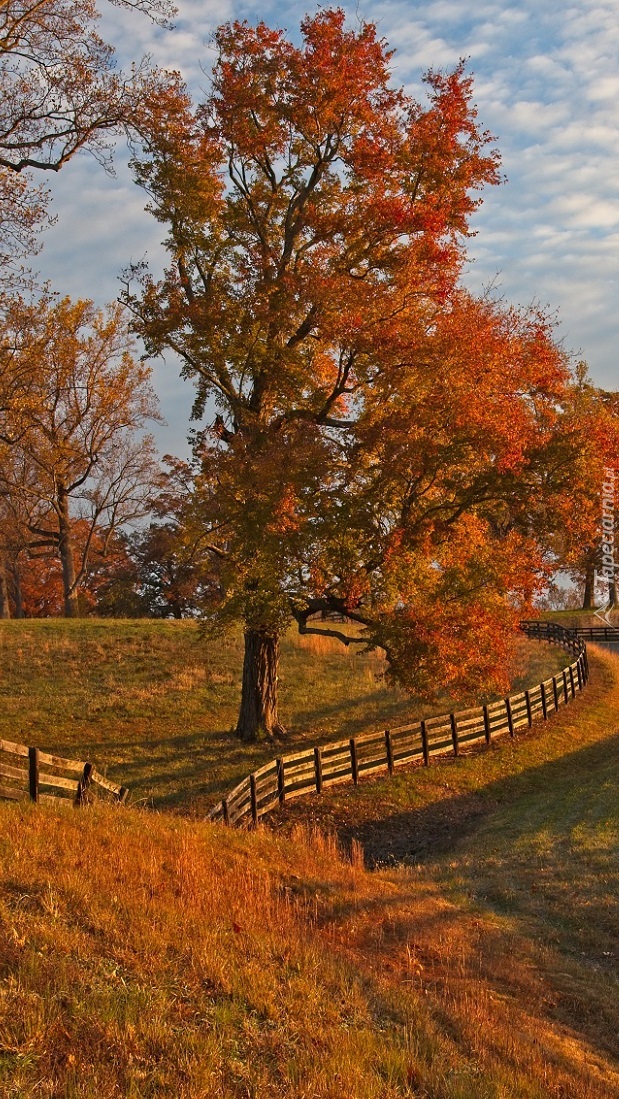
[[60, 93], [168, 578], [591, 416], [75, 435], [381, 440]]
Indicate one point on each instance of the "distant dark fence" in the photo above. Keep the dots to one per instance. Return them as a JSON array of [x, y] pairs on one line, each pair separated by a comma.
[[25, 774], [597, 633], [349, 760]]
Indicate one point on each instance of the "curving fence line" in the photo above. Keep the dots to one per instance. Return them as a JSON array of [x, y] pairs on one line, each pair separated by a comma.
[[342, 761], [22, 777]]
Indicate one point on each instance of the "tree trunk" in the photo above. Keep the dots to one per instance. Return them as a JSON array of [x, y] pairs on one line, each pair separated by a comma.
[[588, 598], [18, 597], [258, 712], [5, 608], [65, 549]]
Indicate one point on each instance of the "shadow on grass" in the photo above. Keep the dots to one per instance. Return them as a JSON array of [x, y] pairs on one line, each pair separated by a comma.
[[530, 864], [558, 794]]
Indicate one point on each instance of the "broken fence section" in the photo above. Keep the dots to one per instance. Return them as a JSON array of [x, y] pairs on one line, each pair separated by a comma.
[[29, 773]]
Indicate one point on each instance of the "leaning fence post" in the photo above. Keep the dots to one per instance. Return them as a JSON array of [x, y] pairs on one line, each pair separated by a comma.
[[33, 773], [254, 799], [281, 781], [84, 783], [487, 732], [318, 769], [510, 719]]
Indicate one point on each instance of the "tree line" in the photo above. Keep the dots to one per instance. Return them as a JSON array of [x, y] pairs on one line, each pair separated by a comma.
[[374, 441]]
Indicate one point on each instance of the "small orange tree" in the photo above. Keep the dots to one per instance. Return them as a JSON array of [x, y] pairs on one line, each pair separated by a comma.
[[379, 442], [70, 455]]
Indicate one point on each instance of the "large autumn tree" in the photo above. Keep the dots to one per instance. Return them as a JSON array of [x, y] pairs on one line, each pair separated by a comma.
[[378, 436]]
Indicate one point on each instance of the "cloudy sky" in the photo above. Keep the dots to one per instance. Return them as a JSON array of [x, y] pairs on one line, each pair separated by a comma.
[[546, 78]]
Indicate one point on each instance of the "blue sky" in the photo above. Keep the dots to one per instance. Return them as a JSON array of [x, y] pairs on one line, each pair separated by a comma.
[[546, 79]]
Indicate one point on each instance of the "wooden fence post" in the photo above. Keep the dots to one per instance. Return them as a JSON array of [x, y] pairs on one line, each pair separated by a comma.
[[354, 764], [555, 691], [527, 697], [565, 685], [544, 706], [281, 781], [454, 734], [33, 773], [389, 750], [572, 682], [254, 799], [83, 784], [424, 743], [487, 732], [225, 810], [318, 769], [579, 673]]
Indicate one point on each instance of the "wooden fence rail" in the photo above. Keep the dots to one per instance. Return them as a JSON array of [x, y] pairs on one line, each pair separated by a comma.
[[597, 633], [25, 773], [315, 769]]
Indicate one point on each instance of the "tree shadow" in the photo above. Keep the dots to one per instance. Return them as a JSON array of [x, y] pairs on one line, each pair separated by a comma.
[[579, 778], [537, 855]]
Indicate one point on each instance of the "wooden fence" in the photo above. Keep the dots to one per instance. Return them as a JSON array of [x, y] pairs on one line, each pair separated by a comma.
[[349, 760], [24, 773]]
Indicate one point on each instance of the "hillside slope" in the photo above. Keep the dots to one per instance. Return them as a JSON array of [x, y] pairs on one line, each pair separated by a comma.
[[147, 955]]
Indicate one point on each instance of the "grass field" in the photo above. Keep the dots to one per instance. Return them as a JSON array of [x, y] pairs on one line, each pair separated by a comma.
[[154, 706], [148, 955]]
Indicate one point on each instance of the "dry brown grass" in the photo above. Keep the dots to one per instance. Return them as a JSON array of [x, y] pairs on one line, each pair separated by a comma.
[[145, 955]]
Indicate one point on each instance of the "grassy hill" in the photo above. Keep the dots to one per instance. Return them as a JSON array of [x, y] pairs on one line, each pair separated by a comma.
[[144, 954], [154, 705]]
